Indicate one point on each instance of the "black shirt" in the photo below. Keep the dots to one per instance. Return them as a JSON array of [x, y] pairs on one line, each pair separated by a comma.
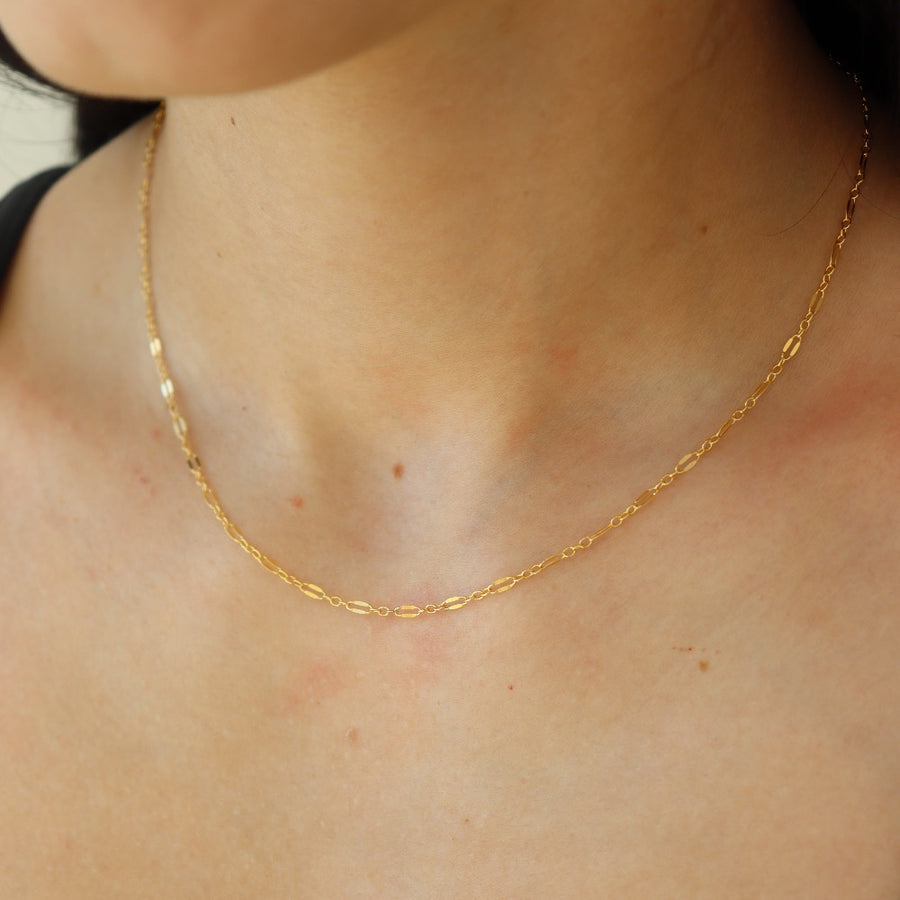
[[16, 210]]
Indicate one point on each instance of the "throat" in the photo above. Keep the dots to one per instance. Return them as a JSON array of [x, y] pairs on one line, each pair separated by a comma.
[[436, 294]]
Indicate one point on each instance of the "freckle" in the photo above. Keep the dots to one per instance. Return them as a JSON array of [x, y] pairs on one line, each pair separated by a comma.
[[297, 502], [232, 121], [399, 470], [352, 736], [704, 229], [467, 820], [244, 407], [704, 665]]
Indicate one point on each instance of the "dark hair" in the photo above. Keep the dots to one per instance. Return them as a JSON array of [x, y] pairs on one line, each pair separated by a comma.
[[97, 120], [862, 35]]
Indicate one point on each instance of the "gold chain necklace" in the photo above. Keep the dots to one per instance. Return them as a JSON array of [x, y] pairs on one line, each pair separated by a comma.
[[412, 611]]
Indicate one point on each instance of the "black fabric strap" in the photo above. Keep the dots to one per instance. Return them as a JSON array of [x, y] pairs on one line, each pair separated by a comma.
[[16, 210]]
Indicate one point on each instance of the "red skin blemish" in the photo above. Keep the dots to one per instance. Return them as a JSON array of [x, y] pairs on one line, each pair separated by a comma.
[[297, 502], [426, 650], [510, 686], [316, 684], [564, 356], [399, 470]]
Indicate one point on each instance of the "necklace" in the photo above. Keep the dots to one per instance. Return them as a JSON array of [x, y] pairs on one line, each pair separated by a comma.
[[507, 582]]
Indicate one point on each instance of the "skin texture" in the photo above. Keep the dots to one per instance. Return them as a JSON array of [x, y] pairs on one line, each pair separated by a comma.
[[435, 310]]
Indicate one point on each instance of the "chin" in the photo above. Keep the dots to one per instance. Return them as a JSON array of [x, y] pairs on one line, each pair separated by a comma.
[[76, 61], [131, 48]]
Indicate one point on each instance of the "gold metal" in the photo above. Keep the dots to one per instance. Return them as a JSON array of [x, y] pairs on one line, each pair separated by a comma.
[[507, 582]]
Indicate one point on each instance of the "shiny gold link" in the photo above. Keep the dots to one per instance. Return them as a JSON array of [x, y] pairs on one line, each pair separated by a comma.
[[500, 585], [455, 603], [410, 611], [551, 561], [792, 345], [212, 501], [232, 530], [725, 427], [270, 565], [360, 607], [599, 534], [644, 499], [687, 462]]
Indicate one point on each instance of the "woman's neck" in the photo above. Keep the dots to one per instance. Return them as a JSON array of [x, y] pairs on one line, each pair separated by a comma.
[[508, 204]]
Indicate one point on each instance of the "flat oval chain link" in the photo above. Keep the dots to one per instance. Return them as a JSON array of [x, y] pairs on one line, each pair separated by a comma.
[[507, 582]]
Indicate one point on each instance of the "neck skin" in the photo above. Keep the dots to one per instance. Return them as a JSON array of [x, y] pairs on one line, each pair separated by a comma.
[[512, 235]]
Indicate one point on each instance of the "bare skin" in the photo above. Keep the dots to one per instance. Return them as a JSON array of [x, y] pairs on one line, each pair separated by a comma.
[[433, 318]]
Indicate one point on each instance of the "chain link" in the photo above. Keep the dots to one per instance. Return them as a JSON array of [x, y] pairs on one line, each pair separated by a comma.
[[507, 582]]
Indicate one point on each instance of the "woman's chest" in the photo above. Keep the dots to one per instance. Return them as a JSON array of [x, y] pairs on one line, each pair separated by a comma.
[[179, 749], [705, 707]]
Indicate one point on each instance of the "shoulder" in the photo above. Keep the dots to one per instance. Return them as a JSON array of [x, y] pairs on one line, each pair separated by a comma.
[[68, 331], [71, 237], [826, 476]]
